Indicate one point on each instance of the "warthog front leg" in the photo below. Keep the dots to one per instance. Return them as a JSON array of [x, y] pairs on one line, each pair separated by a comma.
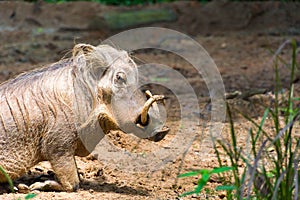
[[66, 172]]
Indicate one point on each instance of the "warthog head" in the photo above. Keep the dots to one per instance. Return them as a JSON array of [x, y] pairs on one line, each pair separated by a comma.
[[120, 104]]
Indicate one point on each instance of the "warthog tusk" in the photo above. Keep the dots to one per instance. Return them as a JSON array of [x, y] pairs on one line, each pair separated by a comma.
[[154, 105], [149, 102], [148, 94]]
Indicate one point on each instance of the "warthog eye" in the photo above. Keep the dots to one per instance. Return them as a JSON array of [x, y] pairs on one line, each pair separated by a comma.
[[120, 79]]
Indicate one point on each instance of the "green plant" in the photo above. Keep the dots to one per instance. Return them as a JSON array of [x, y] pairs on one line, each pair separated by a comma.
[[205, 175], [111, 2], [268, 175], [11, 186], [28, 196]]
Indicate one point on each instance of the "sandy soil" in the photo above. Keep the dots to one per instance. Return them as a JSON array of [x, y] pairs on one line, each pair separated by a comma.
[[241, 39]]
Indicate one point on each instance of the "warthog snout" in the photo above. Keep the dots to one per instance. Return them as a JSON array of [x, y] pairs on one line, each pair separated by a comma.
[[159, 135], [144, 118]]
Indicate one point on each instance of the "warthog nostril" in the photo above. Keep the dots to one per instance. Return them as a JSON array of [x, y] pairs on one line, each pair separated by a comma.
[[139, 122]]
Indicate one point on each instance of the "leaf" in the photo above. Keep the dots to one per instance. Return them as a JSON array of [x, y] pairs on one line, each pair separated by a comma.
[[187, 193], [204, 171], [296, 98], [199, 187], [205, 177], [194, 173], [30, 196], [202, 182], [221, 169], [188, 174], [225, 187]]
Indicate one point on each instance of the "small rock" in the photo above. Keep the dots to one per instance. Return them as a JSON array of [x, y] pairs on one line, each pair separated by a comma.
[[92, 157], [223, 45], [215, 179], [23, 188], [222, 194]]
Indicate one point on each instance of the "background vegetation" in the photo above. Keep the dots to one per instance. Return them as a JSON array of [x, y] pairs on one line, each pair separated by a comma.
[[112, 2], [136, 2]]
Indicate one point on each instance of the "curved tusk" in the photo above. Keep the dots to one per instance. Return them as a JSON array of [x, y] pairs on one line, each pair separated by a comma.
[[147, 106], [148, 94], [154, 105]]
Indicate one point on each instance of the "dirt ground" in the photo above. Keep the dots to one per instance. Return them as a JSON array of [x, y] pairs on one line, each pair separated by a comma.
[[241, 38]]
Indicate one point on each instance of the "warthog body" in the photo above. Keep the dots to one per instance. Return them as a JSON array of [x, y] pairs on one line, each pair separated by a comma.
[[63, 110]]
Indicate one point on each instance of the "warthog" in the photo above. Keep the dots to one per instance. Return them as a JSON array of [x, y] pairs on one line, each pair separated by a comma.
[[65, 109]]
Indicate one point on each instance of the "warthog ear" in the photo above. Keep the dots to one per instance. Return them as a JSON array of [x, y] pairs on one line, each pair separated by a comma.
[[80, 52], [82, 49]]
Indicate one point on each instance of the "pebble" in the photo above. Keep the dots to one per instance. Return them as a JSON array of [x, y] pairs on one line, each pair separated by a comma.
[[22, 188]]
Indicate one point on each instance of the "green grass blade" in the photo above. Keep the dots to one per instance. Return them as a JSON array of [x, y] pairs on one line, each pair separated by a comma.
[[254, 168], [296, 170], [194, 173], [221, 169], [225, 187], [30, 196], [292, 77], [187, 193], [11, 185], [243, 183], [255, 124], [277, 187], [217, 152], [202, 182], [188, 174], [262, 122], [232, 131]]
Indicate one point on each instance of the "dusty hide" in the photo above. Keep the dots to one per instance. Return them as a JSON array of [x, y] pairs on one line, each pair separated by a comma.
[[64, 93], [57, 112]]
